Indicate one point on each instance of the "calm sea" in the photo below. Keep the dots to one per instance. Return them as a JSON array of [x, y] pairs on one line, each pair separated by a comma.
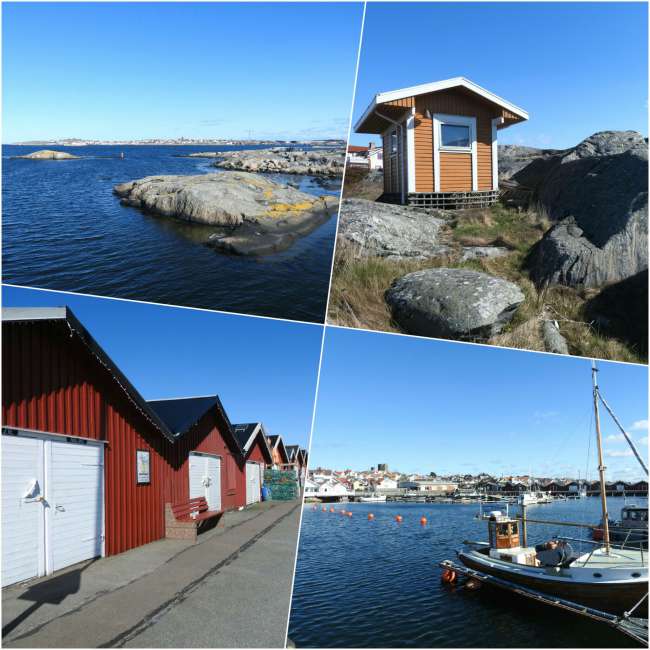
[[63, 228], [363, 583]]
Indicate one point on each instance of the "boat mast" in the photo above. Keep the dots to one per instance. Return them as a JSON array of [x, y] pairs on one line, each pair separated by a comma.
[[601, 467]]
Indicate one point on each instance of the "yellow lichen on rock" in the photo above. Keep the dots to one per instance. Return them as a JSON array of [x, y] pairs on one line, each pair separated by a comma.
[[278, 209]]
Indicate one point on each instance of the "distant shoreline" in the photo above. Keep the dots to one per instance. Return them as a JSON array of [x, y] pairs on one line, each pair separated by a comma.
[[176, 143]]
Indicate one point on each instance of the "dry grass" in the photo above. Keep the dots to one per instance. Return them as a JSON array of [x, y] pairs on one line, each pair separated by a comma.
[[359, 284]]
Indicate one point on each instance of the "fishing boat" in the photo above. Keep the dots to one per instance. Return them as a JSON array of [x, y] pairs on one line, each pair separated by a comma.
[[608, 578], [631, 530], [375, 498], [533, 498]]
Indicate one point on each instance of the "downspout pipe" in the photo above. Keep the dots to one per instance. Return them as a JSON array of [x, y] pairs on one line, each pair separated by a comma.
[[400, 126]]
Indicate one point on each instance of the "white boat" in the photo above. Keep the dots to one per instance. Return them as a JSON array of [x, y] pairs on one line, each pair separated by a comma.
[[609, 578], [533, 498], [379, 498]]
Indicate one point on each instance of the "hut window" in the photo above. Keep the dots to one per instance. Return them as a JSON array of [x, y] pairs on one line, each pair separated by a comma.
[[455, 136], [393, 141]]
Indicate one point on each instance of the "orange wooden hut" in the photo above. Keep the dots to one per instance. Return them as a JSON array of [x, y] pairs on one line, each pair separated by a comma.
[[440, 142]]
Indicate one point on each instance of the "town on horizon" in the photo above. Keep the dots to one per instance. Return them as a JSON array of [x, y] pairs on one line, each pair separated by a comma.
[[380, 480], [182, 141]]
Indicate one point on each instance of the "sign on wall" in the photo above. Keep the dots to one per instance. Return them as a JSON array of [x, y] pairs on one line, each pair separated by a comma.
[[143, 469]]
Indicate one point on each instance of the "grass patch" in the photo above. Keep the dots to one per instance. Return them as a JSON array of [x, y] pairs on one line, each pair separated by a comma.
[[359, 284]]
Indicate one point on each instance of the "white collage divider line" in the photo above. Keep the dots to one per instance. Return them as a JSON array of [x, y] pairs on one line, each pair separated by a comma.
[[325, 324]]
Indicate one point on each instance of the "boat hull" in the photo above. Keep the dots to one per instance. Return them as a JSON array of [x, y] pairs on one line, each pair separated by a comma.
[[615, 598]]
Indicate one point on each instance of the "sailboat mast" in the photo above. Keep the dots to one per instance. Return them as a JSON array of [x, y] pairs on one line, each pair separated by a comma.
[[601, 467]]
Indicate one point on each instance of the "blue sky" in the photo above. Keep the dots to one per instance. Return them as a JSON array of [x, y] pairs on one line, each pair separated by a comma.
[[140, 70], [577, 68], [261, 369], [422, 405]]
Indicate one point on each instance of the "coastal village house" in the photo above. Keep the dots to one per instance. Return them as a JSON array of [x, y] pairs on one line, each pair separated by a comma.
[[440, 142], [370, 157], [89, 467]]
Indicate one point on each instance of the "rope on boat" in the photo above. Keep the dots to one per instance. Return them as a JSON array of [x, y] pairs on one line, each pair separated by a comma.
[[636, 628]]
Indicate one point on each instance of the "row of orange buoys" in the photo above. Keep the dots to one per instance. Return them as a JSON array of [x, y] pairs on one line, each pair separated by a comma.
[[398, 518]]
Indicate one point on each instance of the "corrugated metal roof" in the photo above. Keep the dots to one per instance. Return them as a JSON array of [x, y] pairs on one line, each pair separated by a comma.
[[180, 414]]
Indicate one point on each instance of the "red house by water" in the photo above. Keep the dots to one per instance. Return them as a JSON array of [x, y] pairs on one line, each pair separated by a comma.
[[88, 465]]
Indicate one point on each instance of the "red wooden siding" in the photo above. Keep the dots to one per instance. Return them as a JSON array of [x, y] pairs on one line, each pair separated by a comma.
[[52, 383]]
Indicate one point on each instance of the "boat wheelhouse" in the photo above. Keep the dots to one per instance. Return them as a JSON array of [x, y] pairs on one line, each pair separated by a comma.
[[440, 142]]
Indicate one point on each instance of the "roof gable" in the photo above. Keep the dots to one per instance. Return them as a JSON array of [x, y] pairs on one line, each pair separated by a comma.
[[437, 86]]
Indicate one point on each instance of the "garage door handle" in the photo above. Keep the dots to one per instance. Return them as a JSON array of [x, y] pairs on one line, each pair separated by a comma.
[[60, 508]]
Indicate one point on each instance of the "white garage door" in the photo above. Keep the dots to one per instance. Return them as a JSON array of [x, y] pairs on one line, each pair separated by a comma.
[[205, 479], [23, 515], [52, 504], [253, 483]]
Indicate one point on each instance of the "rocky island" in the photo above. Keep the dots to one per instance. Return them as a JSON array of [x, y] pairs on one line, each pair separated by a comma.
[[48, 154], [251, 214], [323, 162]]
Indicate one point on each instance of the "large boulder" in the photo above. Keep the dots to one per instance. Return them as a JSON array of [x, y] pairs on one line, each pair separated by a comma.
[[513, 158], [391, 231], [48, 154], [310, 162], [256, 215], [597, 193], [453, 303]]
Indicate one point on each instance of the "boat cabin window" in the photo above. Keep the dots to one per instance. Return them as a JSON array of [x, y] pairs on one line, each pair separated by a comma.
[[507, 529], [636, 515]]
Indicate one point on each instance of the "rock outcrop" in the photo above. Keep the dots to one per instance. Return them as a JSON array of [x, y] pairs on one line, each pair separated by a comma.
[[391, 231], [48, 154], [321, 162], [513, 158], [597, 193], [453, 303], [255, 216]]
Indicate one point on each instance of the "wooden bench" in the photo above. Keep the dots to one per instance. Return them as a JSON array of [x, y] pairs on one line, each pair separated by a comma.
[[184, 520]]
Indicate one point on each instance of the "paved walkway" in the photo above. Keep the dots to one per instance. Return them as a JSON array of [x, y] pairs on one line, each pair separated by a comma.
[[232, 589]]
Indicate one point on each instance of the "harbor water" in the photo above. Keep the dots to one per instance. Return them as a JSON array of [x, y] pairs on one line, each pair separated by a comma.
[[376, 583], [65, 229]]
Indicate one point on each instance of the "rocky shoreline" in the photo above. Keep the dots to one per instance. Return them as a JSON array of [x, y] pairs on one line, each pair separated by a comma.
[[310, 162], [252, 215]]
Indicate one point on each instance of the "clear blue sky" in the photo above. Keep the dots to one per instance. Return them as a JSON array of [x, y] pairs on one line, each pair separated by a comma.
[[577, 68], [140, 70], [422, 405], [261, 369]]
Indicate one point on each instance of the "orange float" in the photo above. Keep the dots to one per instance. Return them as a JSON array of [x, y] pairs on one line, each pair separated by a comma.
[[370, 516], [423, 521], [398, 518], [448, 576], [331, 509], [348, 513]]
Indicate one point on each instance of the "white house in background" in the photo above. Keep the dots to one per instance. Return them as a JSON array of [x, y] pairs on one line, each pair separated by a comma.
[[328, 489], [375, 157], [430, 486], [370, 157], [385, 483]]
